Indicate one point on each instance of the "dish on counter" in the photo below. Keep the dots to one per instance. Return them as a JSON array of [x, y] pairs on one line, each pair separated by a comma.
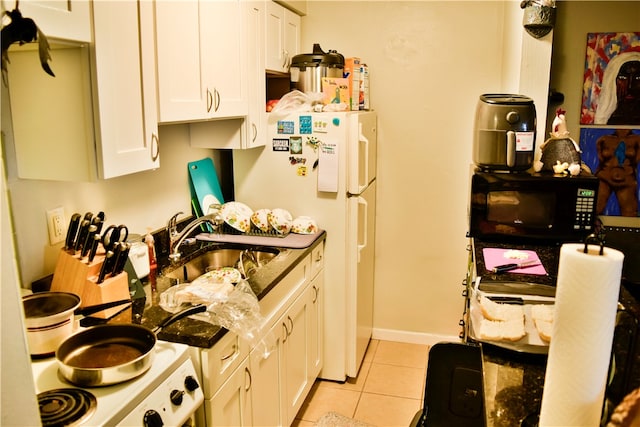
[[222, 274], [530, 340], [281, 220], [304, 225], [237, 215], [260, 219]]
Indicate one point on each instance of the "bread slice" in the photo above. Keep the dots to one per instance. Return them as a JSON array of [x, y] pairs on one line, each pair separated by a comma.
[[544, 329], [542, 315], [495, 330], [542, 312], [492, 310]]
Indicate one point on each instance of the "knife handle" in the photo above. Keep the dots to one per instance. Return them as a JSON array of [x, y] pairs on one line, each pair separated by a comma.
[[97, 221], [88, 241], [94, 247], [72, 231], [121, 261], [82, 235], [106, 266], [504, 268]]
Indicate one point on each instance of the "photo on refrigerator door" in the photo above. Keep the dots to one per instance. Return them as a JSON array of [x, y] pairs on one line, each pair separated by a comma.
[[280, 144], [613, 156]]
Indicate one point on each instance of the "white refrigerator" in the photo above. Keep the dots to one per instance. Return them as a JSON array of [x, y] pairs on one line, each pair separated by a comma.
[[323, 165]]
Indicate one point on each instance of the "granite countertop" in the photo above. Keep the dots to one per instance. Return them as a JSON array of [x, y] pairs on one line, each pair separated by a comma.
[[513, 381], [200, 333], [512, 385]]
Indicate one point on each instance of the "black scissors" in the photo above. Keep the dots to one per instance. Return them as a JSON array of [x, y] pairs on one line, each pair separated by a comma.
[[114, 235]]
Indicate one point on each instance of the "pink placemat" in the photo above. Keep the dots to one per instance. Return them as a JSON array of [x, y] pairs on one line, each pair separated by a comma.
[[494, 257]]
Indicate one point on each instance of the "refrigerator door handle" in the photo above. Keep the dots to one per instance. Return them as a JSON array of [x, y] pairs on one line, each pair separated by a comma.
[[365, 141], [363, 202]]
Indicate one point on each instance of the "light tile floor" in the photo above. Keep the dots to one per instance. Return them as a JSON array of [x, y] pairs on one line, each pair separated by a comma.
[[388, 390]]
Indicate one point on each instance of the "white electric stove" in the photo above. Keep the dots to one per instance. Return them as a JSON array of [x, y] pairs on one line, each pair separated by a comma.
[[145, 400]]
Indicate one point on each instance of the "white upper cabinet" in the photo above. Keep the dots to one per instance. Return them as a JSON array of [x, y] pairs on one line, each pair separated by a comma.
[[124, 88], [256, 121], [282, 37], [250, 130], [70, 20], [298, 6], [201, 60], [98, 116]]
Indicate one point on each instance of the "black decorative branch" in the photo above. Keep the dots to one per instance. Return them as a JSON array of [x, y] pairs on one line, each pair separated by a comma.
[[23, 30]]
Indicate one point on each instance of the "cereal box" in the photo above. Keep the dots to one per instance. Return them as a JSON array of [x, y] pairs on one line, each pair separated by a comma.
[[352, 73], [336, 91]]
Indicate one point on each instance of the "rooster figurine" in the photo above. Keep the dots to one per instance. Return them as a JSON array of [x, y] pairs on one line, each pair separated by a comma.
[[23, 30], [560, 153]]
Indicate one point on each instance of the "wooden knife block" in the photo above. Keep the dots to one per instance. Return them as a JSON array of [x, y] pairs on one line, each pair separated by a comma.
[[74, 274]]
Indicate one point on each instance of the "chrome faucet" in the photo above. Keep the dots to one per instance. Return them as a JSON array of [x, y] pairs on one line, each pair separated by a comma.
[[176, 239]]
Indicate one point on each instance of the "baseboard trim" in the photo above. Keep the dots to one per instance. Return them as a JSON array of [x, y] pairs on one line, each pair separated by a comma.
[[411, 337]]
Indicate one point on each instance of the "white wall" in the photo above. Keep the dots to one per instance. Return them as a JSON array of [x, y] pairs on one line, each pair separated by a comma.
[[429, 61], [18, 403], [141, 200]]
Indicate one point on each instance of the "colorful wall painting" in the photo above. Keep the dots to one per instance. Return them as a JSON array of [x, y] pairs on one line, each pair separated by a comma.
[[611, 89]]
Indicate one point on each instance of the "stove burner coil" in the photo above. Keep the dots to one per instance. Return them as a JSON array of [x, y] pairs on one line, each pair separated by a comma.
[[66, 406]]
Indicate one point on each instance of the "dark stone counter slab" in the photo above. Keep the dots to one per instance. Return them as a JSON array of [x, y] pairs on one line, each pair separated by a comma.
[[514, 381], [200, 333]]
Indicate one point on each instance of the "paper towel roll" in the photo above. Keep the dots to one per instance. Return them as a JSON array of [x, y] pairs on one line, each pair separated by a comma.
[[580, 350]]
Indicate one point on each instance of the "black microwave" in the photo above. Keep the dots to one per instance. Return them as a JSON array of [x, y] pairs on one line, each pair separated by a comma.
[[532, 206]]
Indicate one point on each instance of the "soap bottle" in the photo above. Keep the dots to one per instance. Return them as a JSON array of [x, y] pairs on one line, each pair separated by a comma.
[[153, 266]]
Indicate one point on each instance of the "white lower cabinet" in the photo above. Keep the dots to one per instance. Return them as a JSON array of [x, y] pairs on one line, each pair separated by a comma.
[[267, 385], [316, 326], [231, 405], [295, 354]]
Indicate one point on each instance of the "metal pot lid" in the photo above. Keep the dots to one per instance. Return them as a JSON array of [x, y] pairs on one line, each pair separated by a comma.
[[43, 304], [331, 59], [505, 98]]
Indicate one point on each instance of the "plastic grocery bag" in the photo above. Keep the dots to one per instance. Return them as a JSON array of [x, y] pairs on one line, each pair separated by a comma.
[[297, 101], [234, 307]]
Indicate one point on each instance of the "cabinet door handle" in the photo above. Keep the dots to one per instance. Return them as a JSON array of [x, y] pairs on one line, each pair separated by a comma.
[[247, 372], [291, 323], [286, 332], [315, 294], [234, 348], [155, 142], [285, 59], [216, 103], [209, 101], [255, 132]]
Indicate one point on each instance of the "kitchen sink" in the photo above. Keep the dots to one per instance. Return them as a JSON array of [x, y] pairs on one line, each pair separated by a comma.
[[247, 261]]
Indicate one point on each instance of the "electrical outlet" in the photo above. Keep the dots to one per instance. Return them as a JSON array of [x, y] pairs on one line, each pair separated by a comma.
[[56, 225]]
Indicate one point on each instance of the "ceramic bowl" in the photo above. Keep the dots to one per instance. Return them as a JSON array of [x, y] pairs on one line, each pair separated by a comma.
[[237, 215], [260, 219], [281, 220], [304, 225]]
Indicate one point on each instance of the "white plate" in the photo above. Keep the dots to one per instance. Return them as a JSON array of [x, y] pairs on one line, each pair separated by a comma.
[[222, 274], [304, 225], [237, 215], [280, 220], [207, 201], [260, 219]]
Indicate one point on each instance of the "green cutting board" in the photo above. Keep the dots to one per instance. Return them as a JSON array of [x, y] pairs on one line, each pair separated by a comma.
[[205, 187]]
